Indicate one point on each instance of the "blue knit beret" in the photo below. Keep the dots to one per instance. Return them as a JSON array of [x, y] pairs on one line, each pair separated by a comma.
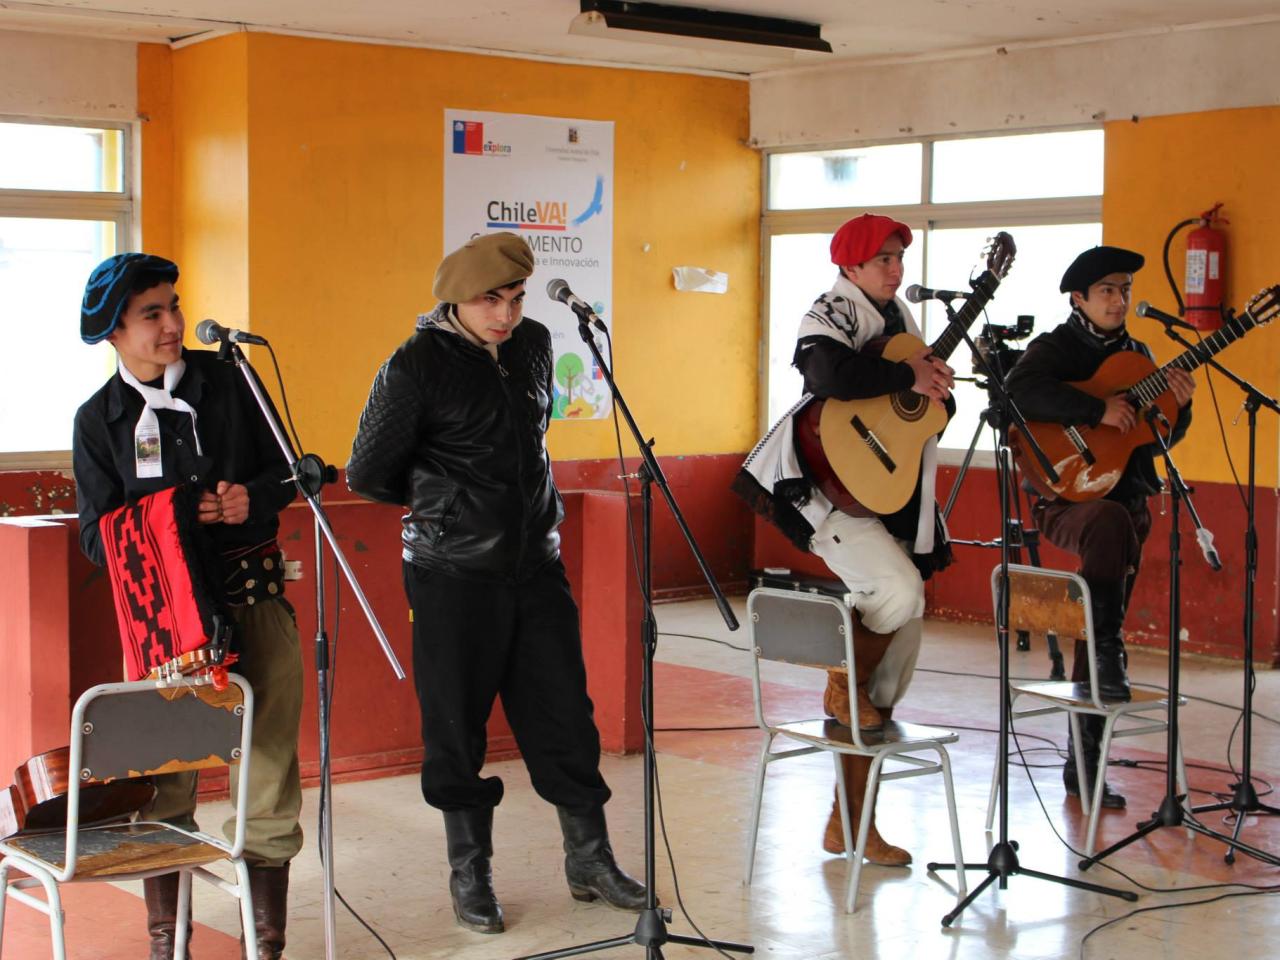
[[108, 289]]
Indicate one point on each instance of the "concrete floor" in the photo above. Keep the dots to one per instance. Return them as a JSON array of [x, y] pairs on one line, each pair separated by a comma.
[[390, 865]]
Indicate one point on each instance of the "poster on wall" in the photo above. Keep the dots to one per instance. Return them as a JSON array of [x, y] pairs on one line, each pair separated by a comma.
[[550, 180]]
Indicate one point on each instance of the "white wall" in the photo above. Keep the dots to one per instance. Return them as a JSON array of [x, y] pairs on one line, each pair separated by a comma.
[[48, 75], [1032, 86]]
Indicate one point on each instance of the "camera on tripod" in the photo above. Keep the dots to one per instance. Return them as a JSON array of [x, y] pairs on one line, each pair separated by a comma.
[[993, 345]]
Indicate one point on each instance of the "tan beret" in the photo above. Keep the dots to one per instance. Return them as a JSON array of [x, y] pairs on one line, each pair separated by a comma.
[[482, 264]]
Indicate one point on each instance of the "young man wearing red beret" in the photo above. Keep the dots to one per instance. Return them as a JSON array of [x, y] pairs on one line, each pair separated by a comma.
[[1107, 534], [882, 560]]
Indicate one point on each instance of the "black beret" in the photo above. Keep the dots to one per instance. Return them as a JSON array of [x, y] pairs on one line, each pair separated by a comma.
[[1092, 265], [108, 290]]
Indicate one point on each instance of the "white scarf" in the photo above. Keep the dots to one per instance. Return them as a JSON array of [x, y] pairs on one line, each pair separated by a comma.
[[148, 425]]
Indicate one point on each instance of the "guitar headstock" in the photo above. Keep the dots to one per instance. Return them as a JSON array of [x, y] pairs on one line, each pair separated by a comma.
[[1263, 307], [1000, 252]]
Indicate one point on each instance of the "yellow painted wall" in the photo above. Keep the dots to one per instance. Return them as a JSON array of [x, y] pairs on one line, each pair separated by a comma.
[[1162, 170], [342, 146], [155, 111]]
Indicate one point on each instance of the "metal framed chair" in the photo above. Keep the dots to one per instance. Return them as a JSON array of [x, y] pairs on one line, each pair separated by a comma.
[[1054, 601], [817, 630], [122, 730]]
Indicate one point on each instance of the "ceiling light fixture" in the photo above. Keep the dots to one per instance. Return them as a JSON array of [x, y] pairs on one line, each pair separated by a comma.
[[693, 26]]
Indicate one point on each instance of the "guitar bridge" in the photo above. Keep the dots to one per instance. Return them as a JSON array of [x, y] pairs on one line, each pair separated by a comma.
[[872, 443]]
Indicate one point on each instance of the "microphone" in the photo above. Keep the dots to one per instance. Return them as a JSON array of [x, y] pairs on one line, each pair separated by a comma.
[[211, 332], [1205, 539], [559, 290], [918, 294], [1144, 309]]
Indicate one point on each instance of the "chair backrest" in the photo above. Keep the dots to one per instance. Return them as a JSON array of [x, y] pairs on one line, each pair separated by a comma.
[[790, 626], [140, 732], [144, 728], [1049, 601], [807, 629]]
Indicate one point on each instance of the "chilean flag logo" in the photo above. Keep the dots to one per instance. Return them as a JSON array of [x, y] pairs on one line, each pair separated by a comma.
[[468, 137]]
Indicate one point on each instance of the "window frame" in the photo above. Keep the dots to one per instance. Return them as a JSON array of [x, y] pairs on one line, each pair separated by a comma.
[[924, 217], [115, 207]]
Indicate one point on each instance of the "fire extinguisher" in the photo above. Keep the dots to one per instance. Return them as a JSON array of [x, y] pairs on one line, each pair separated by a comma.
[[1206, 271]]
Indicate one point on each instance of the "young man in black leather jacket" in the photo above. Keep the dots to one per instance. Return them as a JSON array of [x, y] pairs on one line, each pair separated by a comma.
[[455, 428]]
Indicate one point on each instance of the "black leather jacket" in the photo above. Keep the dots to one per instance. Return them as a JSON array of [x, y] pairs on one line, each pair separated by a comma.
[[460, 440]]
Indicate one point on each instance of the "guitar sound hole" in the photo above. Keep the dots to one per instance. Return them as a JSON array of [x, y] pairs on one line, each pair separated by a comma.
[[909, 405]]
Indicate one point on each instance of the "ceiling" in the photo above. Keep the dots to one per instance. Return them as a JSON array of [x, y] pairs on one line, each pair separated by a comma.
[[858, 30]]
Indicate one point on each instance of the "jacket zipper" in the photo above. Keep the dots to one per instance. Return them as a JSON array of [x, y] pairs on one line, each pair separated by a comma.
[[504, 377]]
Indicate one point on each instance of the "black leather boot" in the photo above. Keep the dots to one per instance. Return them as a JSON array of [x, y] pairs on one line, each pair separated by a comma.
[[269, 892], [1108, 644], [161, 896], [1091, 747], [589, 865], [469, 834]]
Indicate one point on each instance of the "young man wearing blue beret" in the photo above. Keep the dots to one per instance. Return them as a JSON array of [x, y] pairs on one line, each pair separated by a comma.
[[168, 417]]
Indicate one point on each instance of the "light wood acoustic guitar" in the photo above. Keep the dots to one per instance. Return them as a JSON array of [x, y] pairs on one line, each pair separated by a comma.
[[864, 455], [1090, 460]]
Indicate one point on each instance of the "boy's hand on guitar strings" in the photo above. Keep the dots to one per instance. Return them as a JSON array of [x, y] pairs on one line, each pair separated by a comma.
[[1119, 414], [934, 379]]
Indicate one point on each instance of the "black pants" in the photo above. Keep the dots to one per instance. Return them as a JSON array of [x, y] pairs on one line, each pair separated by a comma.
[[1107, 536], [474, 641]]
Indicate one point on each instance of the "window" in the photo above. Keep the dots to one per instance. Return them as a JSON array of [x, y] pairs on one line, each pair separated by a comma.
[[65, 205], [1043, 188]]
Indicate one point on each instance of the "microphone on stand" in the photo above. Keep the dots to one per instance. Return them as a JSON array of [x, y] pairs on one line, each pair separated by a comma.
[[918, 294], [559, 290], [211, 332], [1144, 309]]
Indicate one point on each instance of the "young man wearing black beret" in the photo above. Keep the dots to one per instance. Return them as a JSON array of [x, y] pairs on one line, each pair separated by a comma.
[[1107, 534], [455, 429], [167, 417]]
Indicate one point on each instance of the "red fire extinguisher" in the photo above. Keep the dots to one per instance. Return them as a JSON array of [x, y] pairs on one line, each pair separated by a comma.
[[1206, 271]]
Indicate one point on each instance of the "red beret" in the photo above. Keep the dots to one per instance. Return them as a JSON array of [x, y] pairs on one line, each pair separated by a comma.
[[861, 238]]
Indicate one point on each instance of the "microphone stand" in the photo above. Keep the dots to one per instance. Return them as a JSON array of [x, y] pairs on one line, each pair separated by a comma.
[[651, 926], [309, 473], [1171, 812], [1244, 798], [1002, 862]]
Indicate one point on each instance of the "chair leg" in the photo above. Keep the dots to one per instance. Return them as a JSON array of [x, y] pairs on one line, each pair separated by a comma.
[[761, 768], [4, 898], [1077, 744], [57, 918], [842, 803], [855, 855], [944, 760], [182, 919], [247, 926], [1099, 782], [994, 794]]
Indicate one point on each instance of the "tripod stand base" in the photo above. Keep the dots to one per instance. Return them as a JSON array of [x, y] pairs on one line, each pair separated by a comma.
[[650, 933], [1003, 864], [1244, 802]]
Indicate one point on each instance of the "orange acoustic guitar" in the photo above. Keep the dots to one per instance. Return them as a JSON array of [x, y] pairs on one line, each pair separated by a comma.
[[866, 453], [1090, 460], [37, 800]]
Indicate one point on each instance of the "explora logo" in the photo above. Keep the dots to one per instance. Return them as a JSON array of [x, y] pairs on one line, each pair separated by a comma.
[[468, 138]]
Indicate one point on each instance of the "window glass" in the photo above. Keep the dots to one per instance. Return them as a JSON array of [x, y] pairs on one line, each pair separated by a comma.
[[800, 270], [37, 156], [1037, 165], [1030, 288], [860, 177], [46, 371]]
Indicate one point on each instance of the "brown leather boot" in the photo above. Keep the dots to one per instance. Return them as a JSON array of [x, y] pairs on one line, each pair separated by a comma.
[[869, 650], [269, 891], [877, 850], [161, 896]]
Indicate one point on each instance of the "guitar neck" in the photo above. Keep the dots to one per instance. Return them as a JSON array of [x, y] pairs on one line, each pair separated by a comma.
[[1151, 386], [984, 288]]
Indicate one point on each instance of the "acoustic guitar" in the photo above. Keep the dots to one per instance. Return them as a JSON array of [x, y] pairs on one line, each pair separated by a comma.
[[864, 455], [1090, 460], [37, 799]]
